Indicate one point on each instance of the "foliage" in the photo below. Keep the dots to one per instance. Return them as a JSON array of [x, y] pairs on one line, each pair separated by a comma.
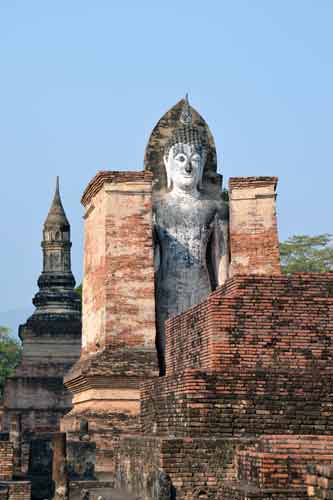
[[309, 254], [225, 195], [78, 290], [10, 353]]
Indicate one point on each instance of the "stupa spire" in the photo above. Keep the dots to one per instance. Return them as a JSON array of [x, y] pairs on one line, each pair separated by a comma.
[[56, 283], [56, 213]]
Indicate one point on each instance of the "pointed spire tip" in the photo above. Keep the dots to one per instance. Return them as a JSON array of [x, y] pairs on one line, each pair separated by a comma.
[[186, 115], [56, 213]]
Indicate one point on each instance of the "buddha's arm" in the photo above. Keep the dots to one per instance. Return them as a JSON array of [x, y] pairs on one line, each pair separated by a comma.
[[157, 252], [220, 248]]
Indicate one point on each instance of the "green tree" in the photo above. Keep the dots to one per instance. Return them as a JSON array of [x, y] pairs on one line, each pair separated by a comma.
[[309, 254], [10, 353], [78, 290]]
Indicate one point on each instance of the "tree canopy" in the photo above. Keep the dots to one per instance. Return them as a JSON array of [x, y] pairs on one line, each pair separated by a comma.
[[10, 353], [308, 254]]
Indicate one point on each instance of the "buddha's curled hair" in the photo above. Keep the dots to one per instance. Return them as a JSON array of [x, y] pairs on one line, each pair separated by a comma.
[[187, 133]]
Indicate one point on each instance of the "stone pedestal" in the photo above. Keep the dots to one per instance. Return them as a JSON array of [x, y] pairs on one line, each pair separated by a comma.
[[118, 339], [254, 243], [35, 392]]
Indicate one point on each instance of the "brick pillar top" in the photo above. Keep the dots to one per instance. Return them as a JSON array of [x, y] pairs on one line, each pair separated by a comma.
[[107, 176], [252, 182], [254, 243]]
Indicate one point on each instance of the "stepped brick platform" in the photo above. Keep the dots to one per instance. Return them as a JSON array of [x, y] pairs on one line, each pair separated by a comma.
[[256, 322], [247, 400], [276, 467]]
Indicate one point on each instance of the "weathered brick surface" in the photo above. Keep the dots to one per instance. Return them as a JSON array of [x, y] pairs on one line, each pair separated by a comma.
[[276, 467], [257, 322], [262, 349], [6, 460], [138, 464], [254, 244], [3, 492], [19, 490], [15, 490], [281, 461], [118, 288], [107, 176], [253, 361], [194, 465], [238, 491], [118, 338], [196, 403], [319, 482]]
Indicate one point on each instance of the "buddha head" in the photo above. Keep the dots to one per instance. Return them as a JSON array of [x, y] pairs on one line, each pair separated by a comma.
[[185, 155]]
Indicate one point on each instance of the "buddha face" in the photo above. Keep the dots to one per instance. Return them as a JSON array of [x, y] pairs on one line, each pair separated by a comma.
[[184, 165]]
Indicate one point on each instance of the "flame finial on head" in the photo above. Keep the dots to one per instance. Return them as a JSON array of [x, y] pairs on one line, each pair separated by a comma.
[[186, 114]]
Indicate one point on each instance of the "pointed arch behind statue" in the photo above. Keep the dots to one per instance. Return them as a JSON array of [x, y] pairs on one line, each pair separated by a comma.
[[153, 160]]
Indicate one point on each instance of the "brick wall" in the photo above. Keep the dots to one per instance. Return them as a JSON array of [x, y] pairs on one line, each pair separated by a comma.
[[254, 244], [138, 463], [15, 490], [255, 357], [278, 467], [6, 460], [232, 403], [282, 461], [257, 322], [146, 464], [19, 490]]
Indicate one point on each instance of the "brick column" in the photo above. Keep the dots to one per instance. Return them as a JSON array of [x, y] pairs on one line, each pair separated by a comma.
[[118, 288], [254, 243], [118, 337]]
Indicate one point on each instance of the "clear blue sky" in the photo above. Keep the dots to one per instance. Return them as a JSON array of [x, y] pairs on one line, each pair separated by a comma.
[[82, 83]]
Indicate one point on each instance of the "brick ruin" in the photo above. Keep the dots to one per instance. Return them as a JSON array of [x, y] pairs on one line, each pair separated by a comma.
[[245, 405], [118, 336], [245, 408], [35, 397]]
